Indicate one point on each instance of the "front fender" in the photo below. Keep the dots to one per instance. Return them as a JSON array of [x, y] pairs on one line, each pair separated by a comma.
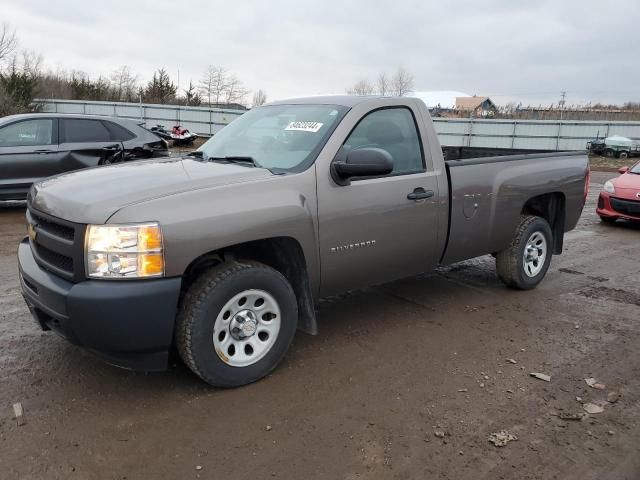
[[201, 221]]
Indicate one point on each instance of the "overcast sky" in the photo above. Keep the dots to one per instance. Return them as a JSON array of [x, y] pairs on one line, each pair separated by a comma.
[[507, 49]]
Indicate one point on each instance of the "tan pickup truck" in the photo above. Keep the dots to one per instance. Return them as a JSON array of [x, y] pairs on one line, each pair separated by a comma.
[[222, 255]]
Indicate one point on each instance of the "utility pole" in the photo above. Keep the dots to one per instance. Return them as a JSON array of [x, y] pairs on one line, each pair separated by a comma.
[[563, 97]]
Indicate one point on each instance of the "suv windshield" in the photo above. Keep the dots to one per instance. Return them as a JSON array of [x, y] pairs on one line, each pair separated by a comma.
[[278, 137]]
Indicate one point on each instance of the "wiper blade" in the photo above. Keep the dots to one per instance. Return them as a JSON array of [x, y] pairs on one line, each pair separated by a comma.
[[236, 159]]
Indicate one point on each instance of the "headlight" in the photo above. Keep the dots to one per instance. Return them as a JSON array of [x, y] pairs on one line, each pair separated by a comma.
[[124, 251], [608, 187]]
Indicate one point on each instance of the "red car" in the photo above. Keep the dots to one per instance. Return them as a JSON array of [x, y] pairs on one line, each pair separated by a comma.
[[620, 197]]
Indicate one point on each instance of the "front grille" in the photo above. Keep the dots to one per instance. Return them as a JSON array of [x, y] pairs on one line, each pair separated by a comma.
[[54, 228], [626, 207], [57, 244], [55, 259]]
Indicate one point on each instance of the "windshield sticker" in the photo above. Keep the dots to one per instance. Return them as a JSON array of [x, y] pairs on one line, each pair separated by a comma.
[[304, 127]]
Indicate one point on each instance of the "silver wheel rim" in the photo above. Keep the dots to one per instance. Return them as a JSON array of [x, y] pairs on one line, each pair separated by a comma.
[[535, 254], [246, 328]]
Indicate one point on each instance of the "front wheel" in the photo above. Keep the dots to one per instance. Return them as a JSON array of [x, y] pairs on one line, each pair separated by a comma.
[[525, 262], [236, 322]]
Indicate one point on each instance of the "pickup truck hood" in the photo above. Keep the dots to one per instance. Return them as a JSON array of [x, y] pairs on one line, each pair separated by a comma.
[[95, 194]]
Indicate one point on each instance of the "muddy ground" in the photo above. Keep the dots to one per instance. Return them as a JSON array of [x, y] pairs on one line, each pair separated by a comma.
[[392, 366]]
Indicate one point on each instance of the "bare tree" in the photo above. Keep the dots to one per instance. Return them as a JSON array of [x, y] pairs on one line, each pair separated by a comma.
[[382, 83], [361, 87], [402, 82], [32, 63], [259, 98], [8, 42], [214, 84], [235, 91], [124, 83]]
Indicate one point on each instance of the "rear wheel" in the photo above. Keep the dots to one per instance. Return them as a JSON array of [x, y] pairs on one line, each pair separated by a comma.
[[623, 155], [236, 322], [525, 262], [609, 153]]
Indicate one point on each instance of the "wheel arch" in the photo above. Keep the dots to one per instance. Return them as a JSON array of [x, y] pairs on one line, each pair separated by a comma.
[[551, 207], [283, 254]]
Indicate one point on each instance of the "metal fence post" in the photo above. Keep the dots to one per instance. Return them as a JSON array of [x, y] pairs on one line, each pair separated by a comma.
[[470, 132], [513, 135], [558, 137]]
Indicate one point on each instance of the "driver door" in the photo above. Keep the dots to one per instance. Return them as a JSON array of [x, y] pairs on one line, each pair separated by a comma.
[[374, 230]]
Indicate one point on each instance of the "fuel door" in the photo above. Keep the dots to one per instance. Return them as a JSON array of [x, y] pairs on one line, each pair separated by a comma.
[[470, 205]]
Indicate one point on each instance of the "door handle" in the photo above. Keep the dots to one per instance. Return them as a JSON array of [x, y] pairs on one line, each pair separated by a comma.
[[420, 194]]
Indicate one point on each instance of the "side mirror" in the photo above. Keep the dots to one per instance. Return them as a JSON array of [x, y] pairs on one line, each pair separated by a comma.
[[623, 170], [363, 162]]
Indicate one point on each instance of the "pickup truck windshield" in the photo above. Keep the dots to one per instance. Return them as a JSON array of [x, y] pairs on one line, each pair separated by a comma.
[[278, 137]]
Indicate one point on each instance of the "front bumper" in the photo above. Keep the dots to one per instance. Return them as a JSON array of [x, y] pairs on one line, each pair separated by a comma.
[[127, 323], [626, 208]]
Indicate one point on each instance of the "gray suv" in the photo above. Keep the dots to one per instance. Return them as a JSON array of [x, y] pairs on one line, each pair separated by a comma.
[[37, 146]]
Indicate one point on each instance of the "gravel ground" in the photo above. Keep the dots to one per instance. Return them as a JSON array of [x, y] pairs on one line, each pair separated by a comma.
[[406, 380]]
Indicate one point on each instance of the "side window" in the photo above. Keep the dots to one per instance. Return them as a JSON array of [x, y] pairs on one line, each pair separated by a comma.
[[76, 130], [393, 130], [27, 133], [118, 132]]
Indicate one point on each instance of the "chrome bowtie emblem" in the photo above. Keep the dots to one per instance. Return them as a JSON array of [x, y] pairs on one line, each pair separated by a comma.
[[31, 230]]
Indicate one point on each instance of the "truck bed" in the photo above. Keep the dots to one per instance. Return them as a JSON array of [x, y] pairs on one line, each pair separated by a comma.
[[463, 153], [488, 195]]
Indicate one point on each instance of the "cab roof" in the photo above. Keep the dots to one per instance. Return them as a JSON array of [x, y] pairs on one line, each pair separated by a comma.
[[342, 100]]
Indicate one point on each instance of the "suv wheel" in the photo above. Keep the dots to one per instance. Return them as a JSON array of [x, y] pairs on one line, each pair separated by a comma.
[[525, 262], [236, 322]]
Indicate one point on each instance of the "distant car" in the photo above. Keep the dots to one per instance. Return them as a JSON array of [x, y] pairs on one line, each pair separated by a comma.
[[620, 197], [615, 146], [39, 145]]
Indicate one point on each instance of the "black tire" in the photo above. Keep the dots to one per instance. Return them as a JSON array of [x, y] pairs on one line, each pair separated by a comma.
[[608, 220], [510, 263], [203, 302], [622, 155], [609, 153]]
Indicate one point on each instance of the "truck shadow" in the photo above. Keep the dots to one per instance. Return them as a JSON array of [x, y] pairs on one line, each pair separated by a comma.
[[360, 317]]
